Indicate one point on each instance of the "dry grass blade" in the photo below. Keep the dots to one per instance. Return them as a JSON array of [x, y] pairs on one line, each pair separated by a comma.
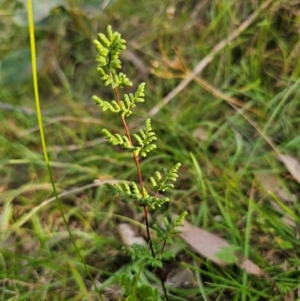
[[181, 277], [205, 61], [292, 165], [28, 215], [249, 266], [235, 104]]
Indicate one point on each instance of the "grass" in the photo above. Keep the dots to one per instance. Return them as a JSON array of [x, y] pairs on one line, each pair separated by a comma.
[[246, 96]]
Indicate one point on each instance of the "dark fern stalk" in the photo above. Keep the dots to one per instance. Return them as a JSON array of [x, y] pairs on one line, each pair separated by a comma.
[[108, 49]]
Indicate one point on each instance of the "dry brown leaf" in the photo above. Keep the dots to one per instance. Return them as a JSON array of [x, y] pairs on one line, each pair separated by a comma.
[[209, 245], [129, 237], [271, 183], [205, 243], [181, 277], [292, 166], [249, 266], [201, 134], [289, 221]]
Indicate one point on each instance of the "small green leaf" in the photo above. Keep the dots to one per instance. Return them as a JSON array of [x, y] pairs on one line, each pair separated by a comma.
[[227, 254], [163, 184], [168, 254]]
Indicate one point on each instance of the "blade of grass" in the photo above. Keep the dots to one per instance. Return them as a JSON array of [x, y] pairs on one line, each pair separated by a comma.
[[79, 281], [202, 186], [247, 242], [42, 135]]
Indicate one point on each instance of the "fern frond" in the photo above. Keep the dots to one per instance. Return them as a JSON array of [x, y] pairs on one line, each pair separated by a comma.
[[145, 139], [171, 228], [179, 220], [127, 281], [106, 105], [130, 100], [139, 95], [138, 139], [153, 202], [102, 53], [131, 190], [126, 189], [163, 183], [116, 139], [120, 80], [140, 252], [108, 52], [114, 189]]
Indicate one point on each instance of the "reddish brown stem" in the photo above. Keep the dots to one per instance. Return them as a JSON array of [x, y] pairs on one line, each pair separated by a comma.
[[135, 157]]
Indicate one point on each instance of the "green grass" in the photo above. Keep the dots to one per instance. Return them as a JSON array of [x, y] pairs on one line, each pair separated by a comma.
[[259, 70]]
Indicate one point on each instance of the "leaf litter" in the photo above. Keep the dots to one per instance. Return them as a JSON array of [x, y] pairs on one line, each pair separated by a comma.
[[207, 245], [129, 236], [271, 184], [210, 246], [292, 165]]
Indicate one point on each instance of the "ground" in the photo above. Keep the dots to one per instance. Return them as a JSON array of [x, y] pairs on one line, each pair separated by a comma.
[[222, 91]]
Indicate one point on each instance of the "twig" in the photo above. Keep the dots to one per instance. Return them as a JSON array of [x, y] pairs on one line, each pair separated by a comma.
[[21, 109], [75, 147]]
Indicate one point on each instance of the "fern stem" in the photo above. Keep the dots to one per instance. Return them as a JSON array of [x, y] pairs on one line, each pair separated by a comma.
[[136, 159]]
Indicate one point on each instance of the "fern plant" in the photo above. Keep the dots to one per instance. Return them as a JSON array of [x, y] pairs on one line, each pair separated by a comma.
[[140, 145]]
